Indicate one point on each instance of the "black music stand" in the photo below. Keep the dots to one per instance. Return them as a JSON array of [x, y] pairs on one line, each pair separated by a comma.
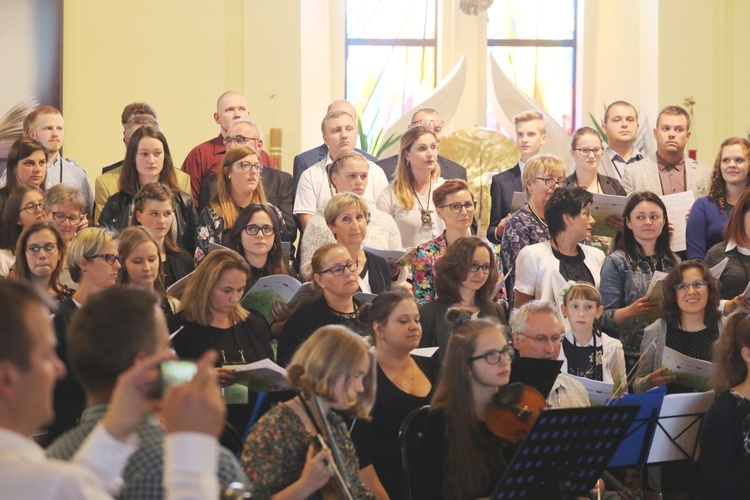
[[634, 448], [564, 453]]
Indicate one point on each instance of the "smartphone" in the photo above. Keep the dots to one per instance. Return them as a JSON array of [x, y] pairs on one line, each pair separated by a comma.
[[175, 372]]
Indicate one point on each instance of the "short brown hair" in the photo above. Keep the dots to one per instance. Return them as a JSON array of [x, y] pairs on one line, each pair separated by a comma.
[[62, 194], [673, 111], [336, 113], [135, 109], [454, 266], [31, 118], [448, 188], [619, 103], [330, 353], [16, 340]]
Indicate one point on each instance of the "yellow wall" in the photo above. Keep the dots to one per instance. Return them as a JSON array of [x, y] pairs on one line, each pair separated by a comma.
[[287, 57]]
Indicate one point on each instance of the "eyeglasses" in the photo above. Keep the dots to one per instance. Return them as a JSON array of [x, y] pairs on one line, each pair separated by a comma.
[[493, 357], [31, 208], [240, 140], [696, 285], [49, 248], [476, 267], [252, 230], [109, 258], [435, 125], [339, 269], [543, 339], [550, 182], [470, 206], [588, 151], [61, 217], [246, 166]]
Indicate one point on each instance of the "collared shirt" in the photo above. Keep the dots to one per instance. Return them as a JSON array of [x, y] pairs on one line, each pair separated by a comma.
[[620, 163], [672, 176], [143, 474]]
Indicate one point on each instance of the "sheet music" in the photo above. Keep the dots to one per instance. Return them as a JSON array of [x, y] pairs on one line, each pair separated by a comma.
[[678, 205], [681, 415], [424, 352], [599, 392], [396, 257], [690, 372], [603, 206], [719, 268], [518, 201]]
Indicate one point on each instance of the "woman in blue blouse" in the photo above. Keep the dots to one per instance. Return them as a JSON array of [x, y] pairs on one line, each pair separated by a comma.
[[709, 214]]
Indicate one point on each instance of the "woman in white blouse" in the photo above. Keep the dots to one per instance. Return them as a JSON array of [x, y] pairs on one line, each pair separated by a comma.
[[408, 198]]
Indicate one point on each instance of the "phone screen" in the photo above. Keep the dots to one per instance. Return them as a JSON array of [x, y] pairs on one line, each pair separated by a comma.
[[175, 372]]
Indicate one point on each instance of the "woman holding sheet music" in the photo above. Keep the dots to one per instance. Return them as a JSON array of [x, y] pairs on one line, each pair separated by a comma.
[[724, 461], [736, 249], [626, 273], [212, 318]]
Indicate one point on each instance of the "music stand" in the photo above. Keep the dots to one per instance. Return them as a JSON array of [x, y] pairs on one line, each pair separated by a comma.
[[636, 444], [564, 453], [678, 426]]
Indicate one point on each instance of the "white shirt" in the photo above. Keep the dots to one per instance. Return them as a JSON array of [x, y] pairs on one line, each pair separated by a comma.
[[314, 190], [7, 259], [25, 472], [409, 222]]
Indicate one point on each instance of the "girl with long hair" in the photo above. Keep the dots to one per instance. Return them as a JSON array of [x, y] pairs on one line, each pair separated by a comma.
[[27, 164], [735, 249], [40, 253], [24, 208]]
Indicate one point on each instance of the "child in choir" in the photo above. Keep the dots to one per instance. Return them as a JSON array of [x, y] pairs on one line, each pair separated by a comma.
[[586, 350]]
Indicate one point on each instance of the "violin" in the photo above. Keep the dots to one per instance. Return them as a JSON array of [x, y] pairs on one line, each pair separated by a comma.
[[513, 411]]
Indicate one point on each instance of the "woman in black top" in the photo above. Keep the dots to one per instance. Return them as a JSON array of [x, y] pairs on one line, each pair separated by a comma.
[[154, 207], [735, 248], [211, 317], [460, 457], [335, 276], [404, 383]]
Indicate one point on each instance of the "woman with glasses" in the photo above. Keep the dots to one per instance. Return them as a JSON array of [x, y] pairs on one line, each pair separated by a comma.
[[148, 160], [94, 264], [24, 208], [350, 174], [460, 457], [40, 253], [409, 197], [211, 317], [141, 265], [404, 383], [710, 214], [237, 186], [334, 276], [543, 268], [65, 207], [586, 149], [455, 206], [735, 249], [27, 164], [690, 323], [627, 272], [541, 176], [465, 277], [154, 209]]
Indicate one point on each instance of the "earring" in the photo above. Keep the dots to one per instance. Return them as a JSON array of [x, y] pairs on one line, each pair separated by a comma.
[[406, 162]]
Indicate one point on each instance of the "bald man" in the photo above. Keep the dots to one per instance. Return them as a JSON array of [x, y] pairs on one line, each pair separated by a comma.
[[309, 158], [205, 158]]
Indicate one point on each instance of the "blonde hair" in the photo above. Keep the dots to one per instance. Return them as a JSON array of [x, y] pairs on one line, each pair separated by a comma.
[[330, 353], [222, 203], [403, 185], [129, 239], [195, 299], [339, 202], [84, 245], [62, 194], [541, 164], [530, 116]]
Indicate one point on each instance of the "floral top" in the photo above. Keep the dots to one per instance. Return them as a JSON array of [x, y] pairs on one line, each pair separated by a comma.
[[211, 230], [423, 268], [276, 449], [522, 229]]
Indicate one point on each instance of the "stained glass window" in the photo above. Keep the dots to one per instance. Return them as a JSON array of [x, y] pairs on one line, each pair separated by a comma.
[[534, 43], [391, 50]]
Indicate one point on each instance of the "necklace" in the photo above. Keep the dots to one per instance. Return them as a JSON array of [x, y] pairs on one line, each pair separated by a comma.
[[426, 215], [540, 220], [399, 381]]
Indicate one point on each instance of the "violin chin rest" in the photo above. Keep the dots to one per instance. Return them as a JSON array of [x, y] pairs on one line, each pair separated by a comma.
[[510, 393]]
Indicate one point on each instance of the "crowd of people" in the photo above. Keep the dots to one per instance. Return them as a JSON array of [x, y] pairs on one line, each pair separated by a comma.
[[98, 284]]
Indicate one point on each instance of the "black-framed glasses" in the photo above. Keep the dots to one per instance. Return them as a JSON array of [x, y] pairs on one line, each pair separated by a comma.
[[588, 151], [436, 125], [31, 208], [493, 356], [252, 230], [339, 269], [246, 166], [695, 285], [61, 217], [49, 248], [543, 339], [550, 182], [485, 268], [109, 258], [240, 140], [456, 207]]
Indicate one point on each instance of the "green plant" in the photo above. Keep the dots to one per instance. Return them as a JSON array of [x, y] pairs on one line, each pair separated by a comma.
[[376, 148]]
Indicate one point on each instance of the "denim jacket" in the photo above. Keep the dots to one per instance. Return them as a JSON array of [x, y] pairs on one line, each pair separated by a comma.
[[620, 287]]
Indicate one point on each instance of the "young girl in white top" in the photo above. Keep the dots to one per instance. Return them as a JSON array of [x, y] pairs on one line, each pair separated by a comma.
[[586, 350]]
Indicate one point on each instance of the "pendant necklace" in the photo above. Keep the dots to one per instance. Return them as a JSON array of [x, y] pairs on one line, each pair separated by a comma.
[[426, 215]]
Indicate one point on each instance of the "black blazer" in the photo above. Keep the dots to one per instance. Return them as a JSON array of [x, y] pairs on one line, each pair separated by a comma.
[[178, 265], [449, 169], [379, 274], [502, 188], [610, 185], [277, 185]]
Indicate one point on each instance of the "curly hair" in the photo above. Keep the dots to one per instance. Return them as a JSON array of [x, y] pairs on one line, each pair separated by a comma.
[[454, 266], [671, 312], [718, 191]]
